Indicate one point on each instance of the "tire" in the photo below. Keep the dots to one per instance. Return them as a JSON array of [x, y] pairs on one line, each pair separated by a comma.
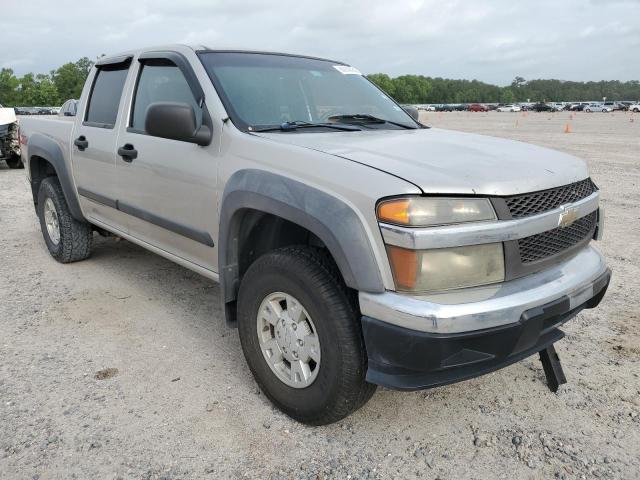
[[14, 162], [75, 238], [587, 110], [636, 110], [339, 387]]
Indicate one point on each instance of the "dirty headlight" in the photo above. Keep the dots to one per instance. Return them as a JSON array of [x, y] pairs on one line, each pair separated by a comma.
[[430, 211], [446, 268]]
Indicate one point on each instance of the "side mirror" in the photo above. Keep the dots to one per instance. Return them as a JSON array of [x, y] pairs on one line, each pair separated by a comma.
[[415, 114], [176, 121]]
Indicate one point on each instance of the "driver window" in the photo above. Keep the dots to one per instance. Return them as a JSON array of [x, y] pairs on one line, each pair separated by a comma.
[[161, 82]]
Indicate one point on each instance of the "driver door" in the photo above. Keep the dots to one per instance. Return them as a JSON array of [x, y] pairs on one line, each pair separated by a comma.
[[168, 187]]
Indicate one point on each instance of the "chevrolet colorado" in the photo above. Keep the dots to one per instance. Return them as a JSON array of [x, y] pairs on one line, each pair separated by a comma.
[[354, 246]]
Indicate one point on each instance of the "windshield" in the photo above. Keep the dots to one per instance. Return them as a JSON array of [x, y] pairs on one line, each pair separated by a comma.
[[262, 90]]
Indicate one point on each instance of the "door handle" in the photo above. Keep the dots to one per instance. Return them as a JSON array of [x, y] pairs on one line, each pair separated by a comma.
[[127, 152], [81, 142]]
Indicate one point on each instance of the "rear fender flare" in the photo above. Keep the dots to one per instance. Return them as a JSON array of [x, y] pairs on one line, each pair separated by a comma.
[[44, 147]]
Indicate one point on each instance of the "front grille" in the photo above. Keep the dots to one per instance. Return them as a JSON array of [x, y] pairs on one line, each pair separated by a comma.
[[543, 245], [538, 202]]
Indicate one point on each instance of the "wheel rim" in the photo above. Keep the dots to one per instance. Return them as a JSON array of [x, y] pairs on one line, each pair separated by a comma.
[[288, 340], [51, 221]]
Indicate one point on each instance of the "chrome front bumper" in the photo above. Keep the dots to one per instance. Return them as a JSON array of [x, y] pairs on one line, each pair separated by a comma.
[[477, 308]]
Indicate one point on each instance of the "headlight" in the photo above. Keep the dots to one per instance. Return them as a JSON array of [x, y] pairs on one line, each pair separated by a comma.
[[430, 211], [446, 268]]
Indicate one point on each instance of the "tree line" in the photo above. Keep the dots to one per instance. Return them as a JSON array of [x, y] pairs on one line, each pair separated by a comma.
[[421, 89], [67, 81], [44, 89]]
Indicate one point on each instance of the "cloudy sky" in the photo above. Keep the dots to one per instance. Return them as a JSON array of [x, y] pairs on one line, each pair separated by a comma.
[[491, 40]]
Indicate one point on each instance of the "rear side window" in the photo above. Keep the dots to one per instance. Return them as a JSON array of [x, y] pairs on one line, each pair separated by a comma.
[[161, 81], [105, 95]]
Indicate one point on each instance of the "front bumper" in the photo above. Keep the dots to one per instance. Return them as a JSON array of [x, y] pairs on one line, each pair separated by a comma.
[[426, 344], [488, 306]]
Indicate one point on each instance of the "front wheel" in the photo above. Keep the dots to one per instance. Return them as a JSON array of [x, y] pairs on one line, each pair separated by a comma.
[[587, 110], [301, 336]]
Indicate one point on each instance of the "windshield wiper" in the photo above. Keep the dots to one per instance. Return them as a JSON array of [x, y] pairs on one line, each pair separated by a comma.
[[291, 126], [365, 117]]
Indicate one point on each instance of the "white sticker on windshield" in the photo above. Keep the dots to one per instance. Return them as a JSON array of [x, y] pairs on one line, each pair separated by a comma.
[[347, 70]]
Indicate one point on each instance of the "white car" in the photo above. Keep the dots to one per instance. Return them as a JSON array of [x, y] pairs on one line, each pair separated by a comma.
[[635, 108], [509, 108], [597, 107]]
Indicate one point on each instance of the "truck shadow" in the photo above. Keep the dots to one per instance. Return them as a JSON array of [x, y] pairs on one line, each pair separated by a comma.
[[196, 312]]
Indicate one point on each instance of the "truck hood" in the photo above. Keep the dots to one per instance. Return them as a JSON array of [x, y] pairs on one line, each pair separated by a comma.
[[446, 161], [7, 116]]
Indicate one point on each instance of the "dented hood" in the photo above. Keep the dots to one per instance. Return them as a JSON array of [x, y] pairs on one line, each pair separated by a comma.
[[446, 161]]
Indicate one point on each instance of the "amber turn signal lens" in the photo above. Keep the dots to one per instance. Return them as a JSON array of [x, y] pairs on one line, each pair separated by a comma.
[[394, 211], [404, 264]]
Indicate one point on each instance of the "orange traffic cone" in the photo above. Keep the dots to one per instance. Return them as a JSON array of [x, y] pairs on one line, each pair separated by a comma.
[[567, 128]]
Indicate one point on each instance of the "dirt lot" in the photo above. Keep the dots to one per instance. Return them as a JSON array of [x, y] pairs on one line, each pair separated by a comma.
[[121, 367]]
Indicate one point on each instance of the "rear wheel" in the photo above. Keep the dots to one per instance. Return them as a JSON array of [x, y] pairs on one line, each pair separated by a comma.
[[14, 162], [301, 336], [67, 239]]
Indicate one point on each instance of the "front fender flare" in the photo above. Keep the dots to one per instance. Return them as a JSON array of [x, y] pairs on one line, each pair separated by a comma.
[[329, 218]]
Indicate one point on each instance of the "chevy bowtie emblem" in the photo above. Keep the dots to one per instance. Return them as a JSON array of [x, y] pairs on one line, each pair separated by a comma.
[[568, 215]]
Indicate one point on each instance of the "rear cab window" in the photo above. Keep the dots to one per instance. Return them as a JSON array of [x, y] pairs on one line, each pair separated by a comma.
[[105, 95]]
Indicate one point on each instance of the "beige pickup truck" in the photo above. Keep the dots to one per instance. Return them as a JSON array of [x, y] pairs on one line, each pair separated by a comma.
[[354, 246]]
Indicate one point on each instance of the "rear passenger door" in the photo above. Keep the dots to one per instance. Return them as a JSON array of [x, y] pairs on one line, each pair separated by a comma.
[[169, 189], [94, 140]]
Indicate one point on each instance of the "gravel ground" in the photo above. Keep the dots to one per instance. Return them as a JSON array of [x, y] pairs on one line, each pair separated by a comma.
[[121, 366]]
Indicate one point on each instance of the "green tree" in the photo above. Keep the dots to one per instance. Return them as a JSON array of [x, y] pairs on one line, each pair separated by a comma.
[[383, 81], [69, 78], [8, 85], [507, 96], [38, 90]]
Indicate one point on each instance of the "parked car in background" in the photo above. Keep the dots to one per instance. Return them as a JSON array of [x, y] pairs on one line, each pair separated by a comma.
[[541, 107], [477, 107], [463, 107], [69, 108], [509, 108], [635, 107], [598, 107], [620, 106], [9, 143]]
